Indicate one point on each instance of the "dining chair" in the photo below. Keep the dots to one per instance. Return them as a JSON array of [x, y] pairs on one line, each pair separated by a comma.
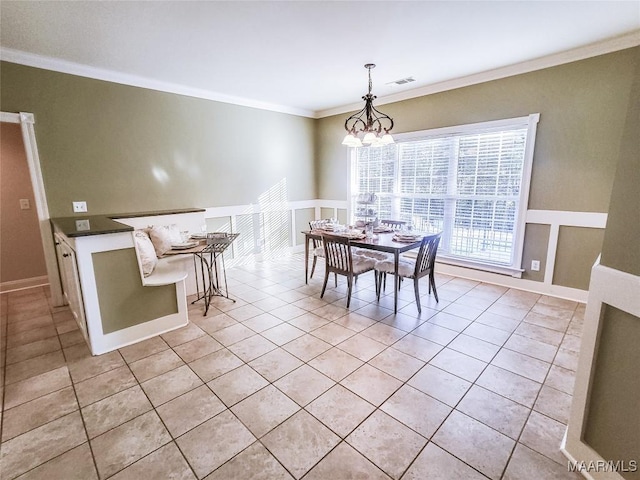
[[340, 260], [423, 266], [318, 248], [394, 225]]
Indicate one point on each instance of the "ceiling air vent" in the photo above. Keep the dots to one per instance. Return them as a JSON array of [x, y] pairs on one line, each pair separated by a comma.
[[402, 81]]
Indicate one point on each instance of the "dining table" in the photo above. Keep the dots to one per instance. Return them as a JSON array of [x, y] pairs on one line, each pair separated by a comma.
[[380, 242]]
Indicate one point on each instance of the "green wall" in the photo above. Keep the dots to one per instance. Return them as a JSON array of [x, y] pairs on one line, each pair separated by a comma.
[[612, 425], [583, 107], [621, 249], [127, 149]]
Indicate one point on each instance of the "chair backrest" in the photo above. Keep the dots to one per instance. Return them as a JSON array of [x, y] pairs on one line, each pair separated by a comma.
[[427, 254], [393, 224], [316, 224], [337, 252]]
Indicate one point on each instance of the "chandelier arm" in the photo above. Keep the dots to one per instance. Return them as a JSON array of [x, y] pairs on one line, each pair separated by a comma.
[[383, 116], [355, 118], [354, 126]]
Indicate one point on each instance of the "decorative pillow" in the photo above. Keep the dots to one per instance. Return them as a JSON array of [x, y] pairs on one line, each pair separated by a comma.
[[146, 252], [161, 239]]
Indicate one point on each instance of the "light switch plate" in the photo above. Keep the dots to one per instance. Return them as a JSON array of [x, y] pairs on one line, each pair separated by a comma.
[[79, 207], [25, 204], [535, 265]]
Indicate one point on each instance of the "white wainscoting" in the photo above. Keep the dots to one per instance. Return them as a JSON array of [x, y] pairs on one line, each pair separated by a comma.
[[555, 219], [287, 209]]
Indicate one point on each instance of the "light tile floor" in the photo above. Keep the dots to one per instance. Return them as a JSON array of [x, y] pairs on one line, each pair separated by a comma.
[[282, 384]]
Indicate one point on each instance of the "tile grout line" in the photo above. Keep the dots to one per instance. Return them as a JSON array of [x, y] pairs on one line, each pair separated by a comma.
[[354, 333]]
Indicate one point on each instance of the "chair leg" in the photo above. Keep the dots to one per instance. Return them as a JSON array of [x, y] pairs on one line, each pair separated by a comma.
[[384, 276], [324, 286], [349, 282], [375, 279], [417, 289], [432, 283], [313, 267], [335, 276]]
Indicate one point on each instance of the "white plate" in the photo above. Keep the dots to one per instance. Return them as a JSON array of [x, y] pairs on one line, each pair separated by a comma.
[[184, 246], [405, 239]]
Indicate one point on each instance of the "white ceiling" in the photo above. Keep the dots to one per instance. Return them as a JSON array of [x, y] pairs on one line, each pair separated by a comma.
[[303, 57]]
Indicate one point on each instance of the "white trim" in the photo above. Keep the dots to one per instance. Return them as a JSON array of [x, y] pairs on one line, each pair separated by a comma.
[[463, 129], [7, 117], [72, 68], [23, 284], [556, 219], [568, 219], [558, 291], [26, 121], [234, 210], [620, 290], [518, 243], [477, 265], [552, 249], [607, 46], [530, 122]]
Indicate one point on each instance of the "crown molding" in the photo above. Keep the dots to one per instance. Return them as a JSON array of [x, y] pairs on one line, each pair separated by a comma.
[[622, 42], [64, 66], [592, 50]]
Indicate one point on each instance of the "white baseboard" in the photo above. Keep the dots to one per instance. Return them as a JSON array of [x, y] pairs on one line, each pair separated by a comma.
[[542, 288], [24, 283]]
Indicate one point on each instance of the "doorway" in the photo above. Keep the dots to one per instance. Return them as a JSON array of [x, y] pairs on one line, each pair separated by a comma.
[[22, 262], [40, 244]]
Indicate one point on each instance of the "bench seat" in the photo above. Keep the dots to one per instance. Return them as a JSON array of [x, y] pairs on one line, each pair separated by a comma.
[[165, 273]]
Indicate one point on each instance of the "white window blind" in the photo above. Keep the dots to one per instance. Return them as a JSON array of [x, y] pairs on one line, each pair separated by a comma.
[[469, 182]]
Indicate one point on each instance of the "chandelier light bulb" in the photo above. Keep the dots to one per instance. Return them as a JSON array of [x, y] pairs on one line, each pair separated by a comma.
[[387, 139], [349, 140], [370, 137]]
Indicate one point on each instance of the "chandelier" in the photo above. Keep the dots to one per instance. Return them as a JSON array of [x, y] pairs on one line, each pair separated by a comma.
[[369, 121]]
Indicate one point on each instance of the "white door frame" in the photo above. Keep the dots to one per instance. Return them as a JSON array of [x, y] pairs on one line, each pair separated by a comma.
[[26, 122]]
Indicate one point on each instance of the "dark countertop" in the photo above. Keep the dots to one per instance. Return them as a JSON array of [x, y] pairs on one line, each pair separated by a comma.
[[103, 224]]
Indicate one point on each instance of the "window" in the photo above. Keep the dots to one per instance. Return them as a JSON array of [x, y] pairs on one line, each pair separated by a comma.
[[471, 182]]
